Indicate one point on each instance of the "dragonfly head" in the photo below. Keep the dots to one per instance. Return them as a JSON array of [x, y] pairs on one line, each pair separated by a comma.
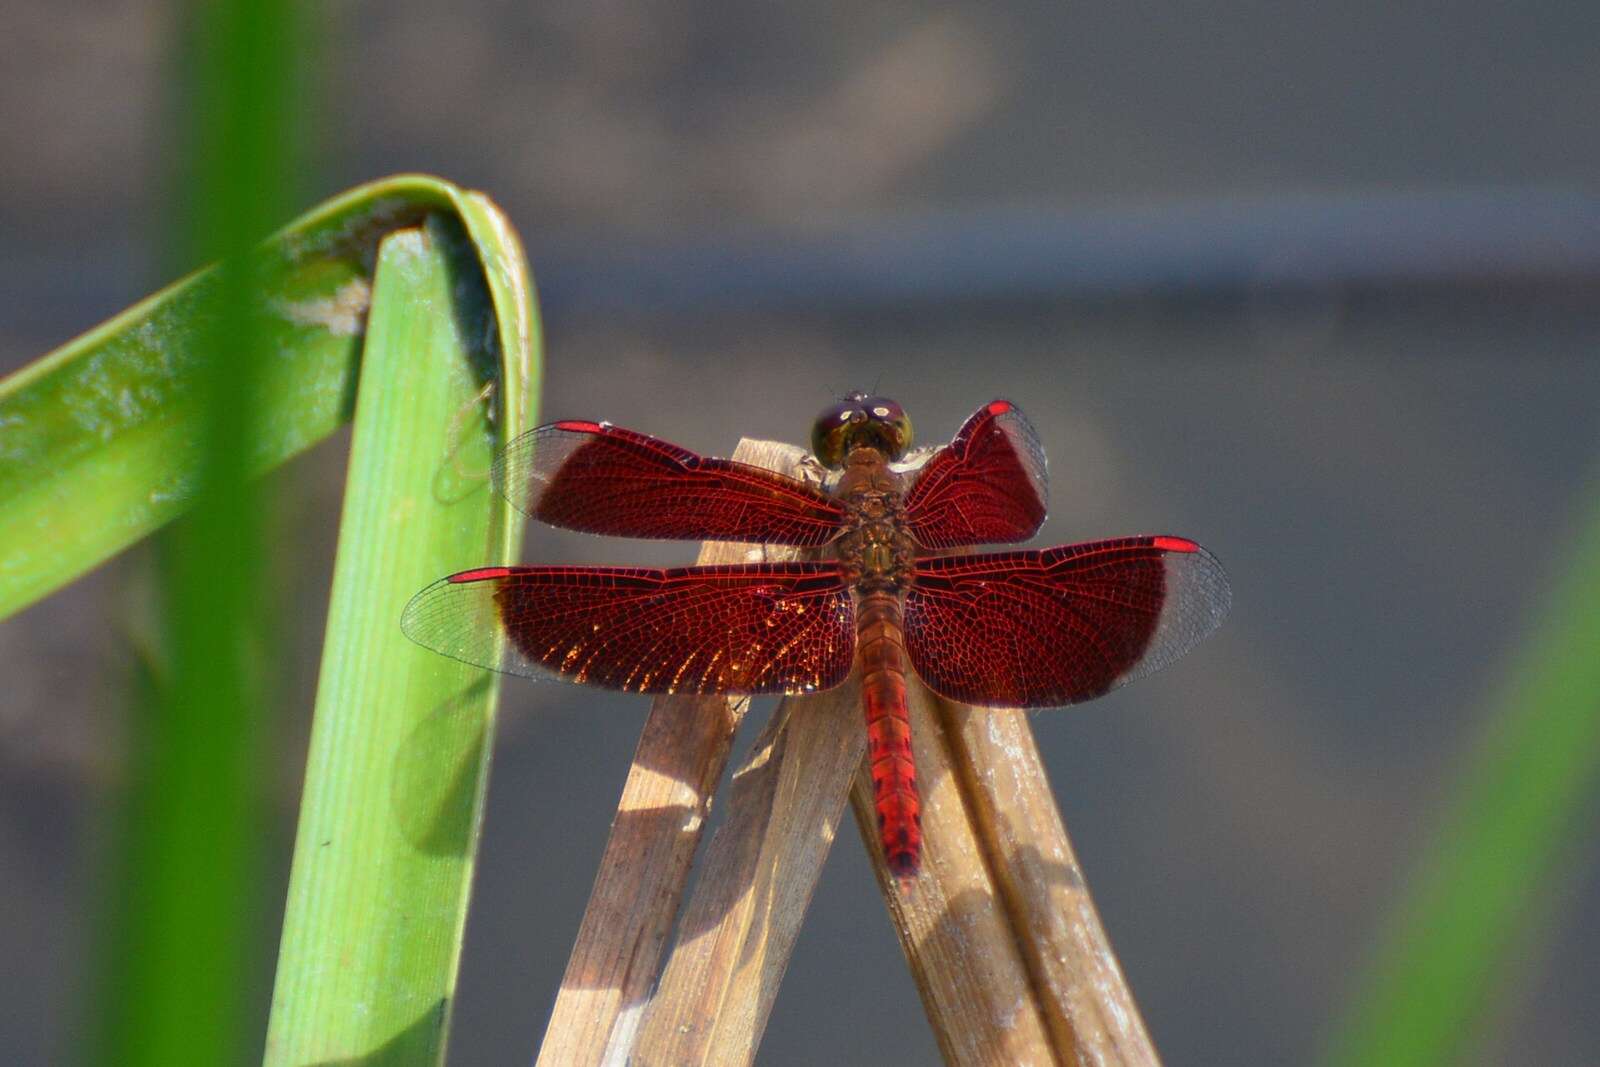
[[856, 421]]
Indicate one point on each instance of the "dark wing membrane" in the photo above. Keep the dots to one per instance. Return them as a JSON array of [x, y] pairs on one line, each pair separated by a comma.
[[598, 478], [741, 628], [1042, 628], [987, 485]]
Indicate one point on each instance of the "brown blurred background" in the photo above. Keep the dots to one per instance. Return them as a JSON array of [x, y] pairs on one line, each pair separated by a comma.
[[1313, 284]]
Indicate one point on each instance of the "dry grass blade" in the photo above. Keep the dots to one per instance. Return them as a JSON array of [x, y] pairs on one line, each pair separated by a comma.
[[634, 902], [637, 892], [999, 928], [760, 871]]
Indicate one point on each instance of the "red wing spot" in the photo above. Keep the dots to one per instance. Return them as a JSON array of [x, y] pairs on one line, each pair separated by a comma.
[[481, 574], [998, 407], [1174, 544], [578, 426]]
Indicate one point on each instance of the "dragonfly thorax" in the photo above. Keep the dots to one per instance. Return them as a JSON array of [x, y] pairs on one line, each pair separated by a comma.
[[875, 547]]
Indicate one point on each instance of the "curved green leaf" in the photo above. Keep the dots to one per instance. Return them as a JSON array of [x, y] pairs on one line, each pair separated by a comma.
[[100, 440], [419, 291], [398, 761]]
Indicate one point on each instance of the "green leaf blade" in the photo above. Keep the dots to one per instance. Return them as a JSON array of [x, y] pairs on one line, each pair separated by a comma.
[[398, 760]]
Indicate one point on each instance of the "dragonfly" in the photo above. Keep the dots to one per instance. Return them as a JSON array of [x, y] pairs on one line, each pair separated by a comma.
[[886, 581]]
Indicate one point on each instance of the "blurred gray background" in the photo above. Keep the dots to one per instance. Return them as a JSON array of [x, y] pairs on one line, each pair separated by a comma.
[[1313, 284]]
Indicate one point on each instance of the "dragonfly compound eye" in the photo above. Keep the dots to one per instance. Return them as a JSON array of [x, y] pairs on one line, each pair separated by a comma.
[[860, 421]]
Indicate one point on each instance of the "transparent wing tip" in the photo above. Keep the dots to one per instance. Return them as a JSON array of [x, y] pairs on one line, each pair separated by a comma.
[[456, 619], [1198, 598]]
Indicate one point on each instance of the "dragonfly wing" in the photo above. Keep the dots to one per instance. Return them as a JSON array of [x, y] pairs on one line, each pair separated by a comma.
[[988, 485], [602, 479], [742, 628], [1055, 626]]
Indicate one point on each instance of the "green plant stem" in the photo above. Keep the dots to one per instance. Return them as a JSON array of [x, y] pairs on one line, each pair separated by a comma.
[[191, 895], [1482, 884]]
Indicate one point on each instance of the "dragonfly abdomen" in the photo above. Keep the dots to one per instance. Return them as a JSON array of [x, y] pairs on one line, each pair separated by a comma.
[[894, 772]]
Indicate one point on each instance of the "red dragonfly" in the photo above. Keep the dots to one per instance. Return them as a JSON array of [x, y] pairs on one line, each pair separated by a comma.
[[1035, 628]]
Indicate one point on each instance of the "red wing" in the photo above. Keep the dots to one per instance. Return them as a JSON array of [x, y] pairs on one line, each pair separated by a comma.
[[986, 486], [598, 478], [1042, 628], [742, 628]]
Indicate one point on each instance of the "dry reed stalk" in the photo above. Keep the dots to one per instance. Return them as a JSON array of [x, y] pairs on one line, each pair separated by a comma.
[[759, 874], [999, 928]]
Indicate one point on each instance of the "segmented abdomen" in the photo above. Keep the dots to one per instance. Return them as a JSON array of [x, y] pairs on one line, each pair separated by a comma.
[[894, 772]]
